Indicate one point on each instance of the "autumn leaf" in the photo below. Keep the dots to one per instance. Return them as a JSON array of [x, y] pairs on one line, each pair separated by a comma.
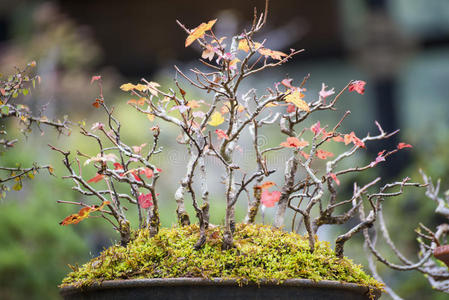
[[334, 177], [269, 199], [316, 128], [145, 200], [293, 142], [233, 63], [323, 154], [139, 102], [221, 134], [96, 178], [243, 45], [199, 32], [208, 53], [97, 103], [216, 119], [351, 138], [152, 88], [291, 108], [295, 97], [127, 87], [272, 53], [82, 214], [338, 138], [404, 145], [358, 86], [266, 185]]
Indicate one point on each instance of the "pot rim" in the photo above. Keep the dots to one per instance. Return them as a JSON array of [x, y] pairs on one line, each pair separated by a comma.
[[185, 281]]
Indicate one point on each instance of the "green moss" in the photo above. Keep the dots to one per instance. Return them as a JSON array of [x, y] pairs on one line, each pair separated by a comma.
[[261, 252]]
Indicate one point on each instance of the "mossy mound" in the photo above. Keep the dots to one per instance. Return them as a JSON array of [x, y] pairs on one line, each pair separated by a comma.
[[261, 253]]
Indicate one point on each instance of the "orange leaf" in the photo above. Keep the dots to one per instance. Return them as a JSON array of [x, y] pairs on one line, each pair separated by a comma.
[[323, 154], [404, 145], [82, 214], [96, 178], [334, 177], [266, 185], [199, 32], [293, 142]]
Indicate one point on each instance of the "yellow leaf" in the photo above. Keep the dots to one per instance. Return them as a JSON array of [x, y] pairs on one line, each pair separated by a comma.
[[17, 186], [243, 45], [295, 98], [141, 87], [216, 119], [127, 87], [233, 62], [199, 32], [150, 117]]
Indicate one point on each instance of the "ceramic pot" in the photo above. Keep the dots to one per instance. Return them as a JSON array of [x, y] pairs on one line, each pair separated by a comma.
[[217, 289]]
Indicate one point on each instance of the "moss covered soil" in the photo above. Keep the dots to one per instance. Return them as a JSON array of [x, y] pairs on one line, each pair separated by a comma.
[[260, 253]]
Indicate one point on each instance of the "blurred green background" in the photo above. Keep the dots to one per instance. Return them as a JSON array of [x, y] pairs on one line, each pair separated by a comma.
[[401, 48]]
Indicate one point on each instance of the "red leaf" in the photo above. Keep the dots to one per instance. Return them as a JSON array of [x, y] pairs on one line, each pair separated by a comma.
[[291, 108], [334, 177], [316, 128], [358, 86], [148, 172], [269, 199], [145, 200], [404, 145], [221, 134], [352, 138], [118, 166], [96, 178], [323, 154]]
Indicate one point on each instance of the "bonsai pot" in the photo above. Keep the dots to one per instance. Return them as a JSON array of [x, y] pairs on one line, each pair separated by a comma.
[[442, 253], [218, 289]]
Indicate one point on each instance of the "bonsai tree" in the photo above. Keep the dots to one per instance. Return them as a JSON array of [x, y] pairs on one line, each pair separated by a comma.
[[217, 128]]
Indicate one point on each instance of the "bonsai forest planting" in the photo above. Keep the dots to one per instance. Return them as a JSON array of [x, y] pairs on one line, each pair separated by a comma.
[[230, 117]]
